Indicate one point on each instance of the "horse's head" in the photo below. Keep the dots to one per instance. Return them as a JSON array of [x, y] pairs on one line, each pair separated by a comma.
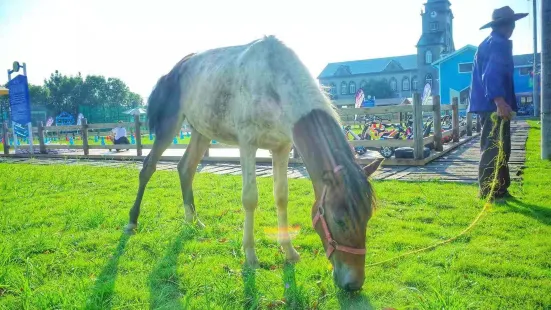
[[340, 218]]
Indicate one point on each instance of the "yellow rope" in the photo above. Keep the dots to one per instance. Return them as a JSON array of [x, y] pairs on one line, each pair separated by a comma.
[[499, 161]]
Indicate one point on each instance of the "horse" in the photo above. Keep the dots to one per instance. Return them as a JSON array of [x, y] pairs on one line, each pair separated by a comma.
[[261, 96]]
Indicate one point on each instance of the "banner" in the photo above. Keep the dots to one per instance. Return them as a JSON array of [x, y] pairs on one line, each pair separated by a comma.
[[359, 98], [20, 103], [426, 94]]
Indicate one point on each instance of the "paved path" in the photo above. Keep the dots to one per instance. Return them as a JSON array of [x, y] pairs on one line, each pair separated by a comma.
[[459, 165]]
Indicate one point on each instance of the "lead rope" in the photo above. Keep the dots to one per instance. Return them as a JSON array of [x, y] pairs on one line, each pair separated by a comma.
[[500, 159]]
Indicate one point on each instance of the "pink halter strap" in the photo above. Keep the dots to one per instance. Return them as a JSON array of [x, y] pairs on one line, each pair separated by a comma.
[[332, 244]]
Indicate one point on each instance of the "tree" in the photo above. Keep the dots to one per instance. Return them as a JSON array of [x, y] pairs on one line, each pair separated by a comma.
[[378, 88], [40, 96], [65, 92], [62, 93]]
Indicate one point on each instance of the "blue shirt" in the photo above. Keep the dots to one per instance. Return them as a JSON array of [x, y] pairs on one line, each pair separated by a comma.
[[493, 70]]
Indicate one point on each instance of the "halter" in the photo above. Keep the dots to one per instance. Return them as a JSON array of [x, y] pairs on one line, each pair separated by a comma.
[[332, 244]]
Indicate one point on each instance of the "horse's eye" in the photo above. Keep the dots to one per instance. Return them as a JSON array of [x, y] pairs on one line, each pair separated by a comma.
[[340, 223]]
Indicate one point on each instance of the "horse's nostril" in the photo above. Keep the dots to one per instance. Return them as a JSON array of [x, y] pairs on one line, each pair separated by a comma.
[[353, 286]]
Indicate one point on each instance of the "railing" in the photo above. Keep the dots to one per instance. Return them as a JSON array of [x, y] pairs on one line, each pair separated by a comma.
[[417, 109], [417, 143]]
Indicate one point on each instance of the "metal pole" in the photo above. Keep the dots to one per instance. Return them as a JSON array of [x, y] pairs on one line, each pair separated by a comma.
[[546, 79], [535, 94]]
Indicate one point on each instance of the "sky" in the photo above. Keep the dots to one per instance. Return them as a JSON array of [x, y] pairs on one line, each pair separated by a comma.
[[140, 40]]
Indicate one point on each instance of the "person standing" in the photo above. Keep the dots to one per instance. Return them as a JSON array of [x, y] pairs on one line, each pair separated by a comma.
[[493, 90]]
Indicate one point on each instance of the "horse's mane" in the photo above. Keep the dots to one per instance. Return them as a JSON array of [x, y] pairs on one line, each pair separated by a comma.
[[359, 191]]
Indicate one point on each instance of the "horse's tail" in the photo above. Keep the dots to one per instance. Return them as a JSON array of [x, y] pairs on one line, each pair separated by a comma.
[[164, 100]]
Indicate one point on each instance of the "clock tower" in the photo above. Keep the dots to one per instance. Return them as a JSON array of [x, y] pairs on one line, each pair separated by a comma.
[[436, 41]]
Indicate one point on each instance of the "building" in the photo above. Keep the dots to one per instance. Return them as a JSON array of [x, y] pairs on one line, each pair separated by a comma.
[[456, 69], [436, 63], [404, 74]]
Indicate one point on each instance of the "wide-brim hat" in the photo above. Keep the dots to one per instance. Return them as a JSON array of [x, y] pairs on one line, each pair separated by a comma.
[[504, 15]]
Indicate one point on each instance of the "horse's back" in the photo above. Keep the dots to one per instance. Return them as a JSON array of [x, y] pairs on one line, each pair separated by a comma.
[[251, 93]]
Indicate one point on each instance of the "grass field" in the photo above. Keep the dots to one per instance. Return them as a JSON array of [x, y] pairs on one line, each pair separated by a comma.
[[61, 245]]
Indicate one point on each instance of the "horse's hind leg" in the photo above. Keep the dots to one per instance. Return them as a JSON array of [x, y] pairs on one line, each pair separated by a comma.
[[163, 138], [187, 168], [280, 161]]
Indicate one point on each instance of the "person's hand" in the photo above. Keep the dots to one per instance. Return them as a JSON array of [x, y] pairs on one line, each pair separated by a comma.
[[503, 109]]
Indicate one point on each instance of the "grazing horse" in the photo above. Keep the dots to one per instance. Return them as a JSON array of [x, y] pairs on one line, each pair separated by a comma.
[[260, 96]]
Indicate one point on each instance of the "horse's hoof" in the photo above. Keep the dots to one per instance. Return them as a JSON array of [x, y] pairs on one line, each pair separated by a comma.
[[253, 263], [196, 222], [199, 224], [292, 256], [130, 229], [251, 259]]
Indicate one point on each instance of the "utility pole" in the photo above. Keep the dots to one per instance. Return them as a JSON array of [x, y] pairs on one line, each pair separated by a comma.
[[546, 79], [535, 94]]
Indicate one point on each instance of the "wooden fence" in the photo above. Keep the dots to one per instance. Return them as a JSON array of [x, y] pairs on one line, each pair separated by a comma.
[[417, 143]]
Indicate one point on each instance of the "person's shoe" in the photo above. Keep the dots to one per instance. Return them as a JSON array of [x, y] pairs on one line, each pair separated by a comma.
[[504, 194], [500, 195]]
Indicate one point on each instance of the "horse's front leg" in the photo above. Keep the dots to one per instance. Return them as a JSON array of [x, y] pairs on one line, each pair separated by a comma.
[[249, 198], [280, 162]]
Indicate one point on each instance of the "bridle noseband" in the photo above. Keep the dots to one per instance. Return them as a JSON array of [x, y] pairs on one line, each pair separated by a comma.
[[332, 244]]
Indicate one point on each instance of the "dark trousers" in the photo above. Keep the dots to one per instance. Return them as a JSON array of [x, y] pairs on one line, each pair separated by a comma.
[[489, 151], [121, 140]]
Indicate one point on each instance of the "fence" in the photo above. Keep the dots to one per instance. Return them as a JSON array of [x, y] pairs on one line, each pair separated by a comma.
[[417, 143], [105, 114]]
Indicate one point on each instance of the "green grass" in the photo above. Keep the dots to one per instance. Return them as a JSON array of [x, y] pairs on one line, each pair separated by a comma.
[[61, 245]]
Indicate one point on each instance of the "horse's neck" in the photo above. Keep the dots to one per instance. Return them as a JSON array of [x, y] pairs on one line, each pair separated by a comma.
[[317, 139]]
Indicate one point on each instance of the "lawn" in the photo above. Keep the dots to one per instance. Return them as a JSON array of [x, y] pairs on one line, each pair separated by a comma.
[[61, 245]]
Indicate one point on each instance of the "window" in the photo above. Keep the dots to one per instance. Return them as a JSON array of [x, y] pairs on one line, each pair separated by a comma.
[[428, 57], [466, 67], [333, 89], [525, 70], [434, 26], [344, 88], [405, 83], [393, 84], [414, 83], [529, 99], [352, 88], [428, 79]]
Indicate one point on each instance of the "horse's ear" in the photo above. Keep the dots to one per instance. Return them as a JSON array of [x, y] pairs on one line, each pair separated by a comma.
[[372, 167]]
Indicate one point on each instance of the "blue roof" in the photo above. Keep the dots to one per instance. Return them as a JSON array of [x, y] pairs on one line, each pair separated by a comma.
[[519, 60], [367, 66], [451, 55]]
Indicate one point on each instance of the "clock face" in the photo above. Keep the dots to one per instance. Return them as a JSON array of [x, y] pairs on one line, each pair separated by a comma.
[[433, 14]]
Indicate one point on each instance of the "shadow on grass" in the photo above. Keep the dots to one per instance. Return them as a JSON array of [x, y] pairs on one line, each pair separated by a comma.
[[164, 284], [251, 299], [356, 300], [105, 283], [536, 212], [295, 296]]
